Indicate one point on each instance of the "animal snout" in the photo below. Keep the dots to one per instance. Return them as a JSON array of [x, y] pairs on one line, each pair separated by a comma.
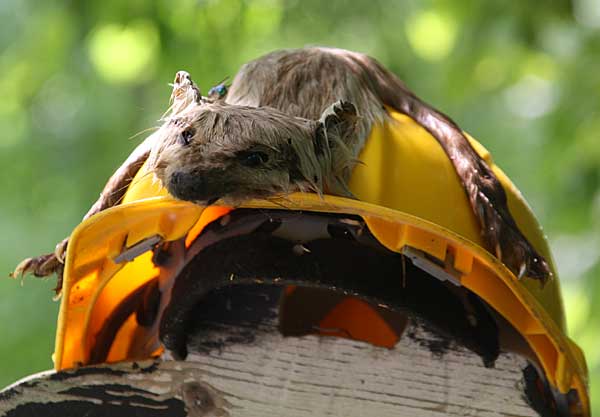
[[184, 186], [177, 180], [191, 186]]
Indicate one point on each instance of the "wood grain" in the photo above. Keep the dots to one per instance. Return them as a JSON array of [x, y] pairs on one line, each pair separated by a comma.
[[272, 375]]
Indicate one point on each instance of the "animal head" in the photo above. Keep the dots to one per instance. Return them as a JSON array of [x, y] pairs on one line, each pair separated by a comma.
[[216, 150]]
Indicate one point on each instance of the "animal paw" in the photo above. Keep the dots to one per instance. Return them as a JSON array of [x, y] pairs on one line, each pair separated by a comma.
[[185, 93], [40, 266], [506, 240], [339, 111], [45, 265], [339, 121]]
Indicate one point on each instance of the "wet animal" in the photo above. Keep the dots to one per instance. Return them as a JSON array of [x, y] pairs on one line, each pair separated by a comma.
[[296, 120]]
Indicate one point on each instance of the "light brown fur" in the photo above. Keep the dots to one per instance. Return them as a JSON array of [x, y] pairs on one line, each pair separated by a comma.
[[303, 82], [277, 108], [301, 154]]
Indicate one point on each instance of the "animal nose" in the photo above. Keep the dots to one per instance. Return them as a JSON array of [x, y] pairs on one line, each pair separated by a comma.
[[178, 185], [189, 186], [177, 178], [181, 186]]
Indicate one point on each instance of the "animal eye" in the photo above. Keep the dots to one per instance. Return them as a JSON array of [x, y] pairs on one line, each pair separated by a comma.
[[186, 136], [254, 159]]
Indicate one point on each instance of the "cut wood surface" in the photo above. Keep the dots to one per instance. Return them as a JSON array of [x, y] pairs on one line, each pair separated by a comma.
[[258, 372]]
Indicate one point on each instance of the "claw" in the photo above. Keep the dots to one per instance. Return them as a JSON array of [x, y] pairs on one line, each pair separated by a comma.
[[344, 109], [60, 251], [502, 234], [21, 269], [42, 266], [522, 270]]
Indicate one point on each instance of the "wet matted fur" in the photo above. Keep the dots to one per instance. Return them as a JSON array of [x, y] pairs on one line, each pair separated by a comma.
[[277, 131]]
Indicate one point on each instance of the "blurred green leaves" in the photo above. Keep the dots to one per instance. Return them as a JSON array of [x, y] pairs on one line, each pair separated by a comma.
[[432, 34], [80, 79], [125, 54]]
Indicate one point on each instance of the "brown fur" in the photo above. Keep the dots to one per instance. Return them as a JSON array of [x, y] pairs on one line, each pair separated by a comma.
[[272, 108], [303, 82], [300, 154]]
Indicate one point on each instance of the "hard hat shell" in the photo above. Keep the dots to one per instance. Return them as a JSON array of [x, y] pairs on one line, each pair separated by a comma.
[[408, 194]]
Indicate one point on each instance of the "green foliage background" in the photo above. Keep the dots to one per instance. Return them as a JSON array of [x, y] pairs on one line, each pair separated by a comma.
[[79, 79]]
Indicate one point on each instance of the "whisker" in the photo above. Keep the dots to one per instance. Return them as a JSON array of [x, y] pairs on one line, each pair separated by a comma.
[[126, 186], [143, 131], [276, 199], [146, 174], [164, 117], [223, 80]]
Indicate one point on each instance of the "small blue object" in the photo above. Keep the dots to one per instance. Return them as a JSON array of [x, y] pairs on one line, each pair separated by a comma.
[[219, 90]]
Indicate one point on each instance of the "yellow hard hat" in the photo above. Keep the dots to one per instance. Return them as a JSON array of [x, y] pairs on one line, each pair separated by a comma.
[[408, 195]]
